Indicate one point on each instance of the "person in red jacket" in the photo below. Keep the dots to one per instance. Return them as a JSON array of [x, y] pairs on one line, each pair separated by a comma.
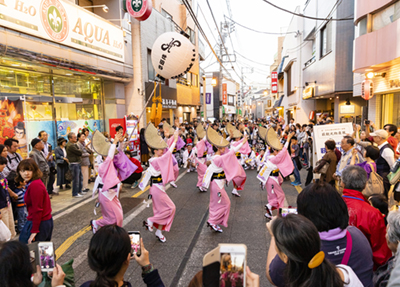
[[39, 225], [363, 216]]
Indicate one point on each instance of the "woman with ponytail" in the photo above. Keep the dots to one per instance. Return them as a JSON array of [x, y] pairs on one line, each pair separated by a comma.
[[298, 244], [109, 256]]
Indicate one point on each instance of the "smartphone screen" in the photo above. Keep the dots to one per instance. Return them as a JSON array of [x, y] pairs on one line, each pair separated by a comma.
[[135, 242], [232, 267], [46, 256], [287, 210]]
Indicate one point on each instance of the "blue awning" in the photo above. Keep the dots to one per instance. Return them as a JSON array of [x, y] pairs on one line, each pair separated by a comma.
[[281, 65], [278, 102]]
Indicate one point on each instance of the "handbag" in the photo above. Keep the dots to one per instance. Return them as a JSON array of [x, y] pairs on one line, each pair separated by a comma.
[[5, 233], [374, 184], [394, 175], [324, 169], [68, 175]]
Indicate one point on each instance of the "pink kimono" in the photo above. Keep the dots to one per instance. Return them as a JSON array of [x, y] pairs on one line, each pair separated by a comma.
[[201, 161], [283, 162], [220, 204], [179, 144], [163, 207]]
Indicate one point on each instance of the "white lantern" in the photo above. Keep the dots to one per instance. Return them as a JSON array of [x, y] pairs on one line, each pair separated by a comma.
[[172, 55]]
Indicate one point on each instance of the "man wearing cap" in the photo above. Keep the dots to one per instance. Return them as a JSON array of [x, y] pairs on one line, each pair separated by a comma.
[[386, 157], [37, 155]]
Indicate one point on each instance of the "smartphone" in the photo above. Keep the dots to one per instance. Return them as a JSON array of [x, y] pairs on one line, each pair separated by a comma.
[[232, 265], [46, 256], [367, 122], [135, 242], [287, 210]]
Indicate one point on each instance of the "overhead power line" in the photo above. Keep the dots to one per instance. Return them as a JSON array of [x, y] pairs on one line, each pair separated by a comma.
[[262, 64], [257, 31], [305, 16]]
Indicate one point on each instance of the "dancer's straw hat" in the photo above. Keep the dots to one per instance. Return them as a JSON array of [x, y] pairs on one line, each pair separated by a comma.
[[215, 138], [272, 139], [153, 138]]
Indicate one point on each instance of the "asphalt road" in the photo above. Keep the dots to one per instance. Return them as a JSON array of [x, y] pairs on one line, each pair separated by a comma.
[[180, 258]]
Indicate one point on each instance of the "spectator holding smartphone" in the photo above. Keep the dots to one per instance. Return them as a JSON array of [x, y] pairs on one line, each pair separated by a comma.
[[109, 255]]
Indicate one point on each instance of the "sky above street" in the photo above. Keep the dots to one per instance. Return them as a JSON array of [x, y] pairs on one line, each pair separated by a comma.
[[252, 49]]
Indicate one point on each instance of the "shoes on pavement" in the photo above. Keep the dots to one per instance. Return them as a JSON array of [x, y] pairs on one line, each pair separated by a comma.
[[94, 226], [55, 193], [235, 192], [147, 226], [295, 183], [67, 186], [173, 184], [188, 170], [269, 211], [135, 184], [214, 227], [78, 195], [160, 236]]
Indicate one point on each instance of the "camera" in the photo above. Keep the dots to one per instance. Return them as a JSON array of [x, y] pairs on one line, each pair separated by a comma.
[[367, 122]]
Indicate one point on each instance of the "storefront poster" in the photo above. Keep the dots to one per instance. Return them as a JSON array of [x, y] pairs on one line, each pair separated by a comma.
[[322, 133], [33, 129], [114, 123], [131, 123], [66, 127], [12, 124]]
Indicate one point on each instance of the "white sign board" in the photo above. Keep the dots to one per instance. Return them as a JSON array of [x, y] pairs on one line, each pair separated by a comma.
[[322, 133], [65, 23]]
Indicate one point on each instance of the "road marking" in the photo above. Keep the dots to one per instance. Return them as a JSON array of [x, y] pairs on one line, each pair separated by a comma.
[[69, 210], [67, 243], [298, 188]]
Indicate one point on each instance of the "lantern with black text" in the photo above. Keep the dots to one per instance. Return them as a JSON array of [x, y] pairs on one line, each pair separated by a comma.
[[367, 89], [172, 55]]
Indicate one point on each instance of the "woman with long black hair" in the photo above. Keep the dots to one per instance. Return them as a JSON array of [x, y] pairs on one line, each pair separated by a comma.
[[298, 244]]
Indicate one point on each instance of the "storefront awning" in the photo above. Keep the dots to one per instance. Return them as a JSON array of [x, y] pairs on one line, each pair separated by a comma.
[[280, 68], [278, 102]]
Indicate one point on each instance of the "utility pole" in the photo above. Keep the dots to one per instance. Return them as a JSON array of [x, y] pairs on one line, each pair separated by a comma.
[[220, 67]]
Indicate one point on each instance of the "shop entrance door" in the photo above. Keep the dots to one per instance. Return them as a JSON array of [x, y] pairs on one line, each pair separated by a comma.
[[186, 117]]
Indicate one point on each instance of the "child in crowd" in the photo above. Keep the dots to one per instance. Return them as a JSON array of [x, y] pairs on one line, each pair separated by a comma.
[[21, 211], [137, 175], [380, 202]]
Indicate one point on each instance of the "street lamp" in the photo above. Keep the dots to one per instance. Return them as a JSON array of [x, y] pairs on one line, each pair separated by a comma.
[[105, 8], [214, 82], [265, 93]]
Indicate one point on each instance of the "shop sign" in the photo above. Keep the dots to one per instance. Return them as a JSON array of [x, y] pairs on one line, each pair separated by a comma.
[[169, 104], [224, 94], [347, 109], [367, 89], [269, 103], [139, 9], [65, 23], [308, 93], [208, 98], [394, 83], [274, 82]]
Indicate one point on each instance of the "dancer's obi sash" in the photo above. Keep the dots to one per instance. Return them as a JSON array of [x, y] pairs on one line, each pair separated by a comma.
[[230, 165], [163, 166]]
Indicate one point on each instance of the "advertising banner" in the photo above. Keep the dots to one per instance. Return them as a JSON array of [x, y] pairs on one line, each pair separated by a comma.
[[335, 132], [65, 23], [33, 129], [66, 127], [131, 123], [113, 123], [208, 98], [224, 94], [12, 124]]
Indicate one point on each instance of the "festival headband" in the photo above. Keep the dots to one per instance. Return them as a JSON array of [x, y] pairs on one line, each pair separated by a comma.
[[316, 260]]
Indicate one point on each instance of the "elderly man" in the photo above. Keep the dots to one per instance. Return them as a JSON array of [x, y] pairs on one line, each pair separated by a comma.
[[347, 145], [38, 156], [363, 216], [74, 156], [386, 157]]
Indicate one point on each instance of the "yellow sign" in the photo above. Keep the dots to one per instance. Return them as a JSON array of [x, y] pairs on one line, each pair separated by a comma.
[[308, 93]]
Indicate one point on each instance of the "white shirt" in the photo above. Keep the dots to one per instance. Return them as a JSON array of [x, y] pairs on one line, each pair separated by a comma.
[[387, 154], [350, 278]]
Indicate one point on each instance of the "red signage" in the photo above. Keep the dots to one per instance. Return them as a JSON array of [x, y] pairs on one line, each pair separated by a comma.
[[224, 94], [274, 82], [367, 89], [140, 10], [113, 123]]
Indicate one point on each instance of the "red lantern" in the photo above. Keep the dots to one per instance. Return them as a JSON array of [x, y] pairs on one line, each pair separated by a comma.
[[311, 115], [367, 89]]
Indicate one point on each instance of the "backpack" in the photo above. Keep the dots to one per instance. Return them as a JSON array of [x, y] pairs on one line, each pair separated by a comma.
[[374, 184]]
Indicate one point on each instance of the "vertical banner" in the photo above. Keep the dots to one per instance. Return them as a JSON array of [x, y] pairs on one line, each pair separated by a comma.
[[274, 82], [131, 122], [225, 94], [12, 124], [208, 98]]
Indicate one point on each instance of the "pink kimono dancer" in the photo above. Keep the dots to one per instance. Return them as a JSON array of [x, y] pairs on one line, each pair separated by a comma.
[[111, 210], [163, 209], [219, 210], [277, 197], [201, 170]]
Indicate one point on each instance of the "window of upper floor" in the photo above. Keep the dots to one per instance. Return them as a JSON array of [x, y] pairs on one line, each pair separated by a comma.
[[326, 39], [192, 35], [361, 27], [386, 16]]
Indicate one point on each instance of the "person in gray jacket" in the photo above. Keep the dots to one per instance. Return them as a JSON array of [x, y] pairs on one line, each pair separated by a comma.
[[37, 155]]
